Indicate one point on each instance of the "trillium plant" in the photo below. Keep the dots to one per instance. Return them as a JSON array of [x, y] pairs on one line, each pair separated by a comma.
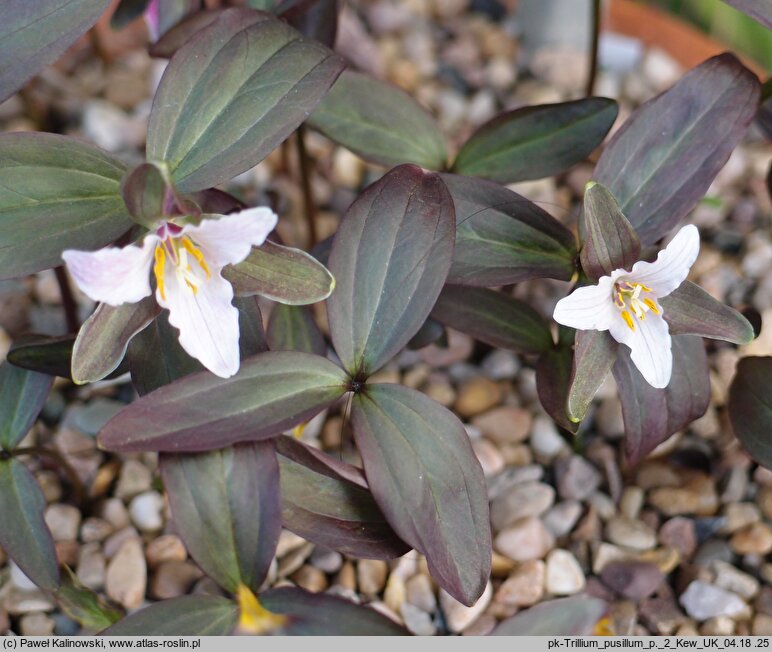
[[181, 270]]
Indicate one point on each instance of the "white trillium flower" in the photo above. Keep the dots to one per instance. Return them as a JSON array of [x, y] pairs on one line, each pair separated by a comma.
[[626, 304], [186, 261]]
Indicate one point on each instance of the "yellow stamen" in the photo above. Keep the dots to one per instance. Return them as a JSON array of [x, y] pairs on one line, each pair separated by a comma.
[[297, 431], [196, 253], [255, 618], [628, 320], [160, 263], [604, 627], [652, 306]]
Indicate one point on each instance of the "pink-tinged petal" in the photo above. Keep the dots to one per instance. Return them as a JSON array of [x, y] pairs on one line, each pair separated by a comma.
[[208, 323], [113, 275], [649, 345], [672, 265], [228, 240], [153, 20], [587, 308]]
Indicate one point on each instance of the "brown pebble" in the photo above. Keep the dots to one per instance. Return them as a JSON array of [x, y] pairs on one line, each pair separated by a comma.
[[679, 533], [510, 425], [753, 539], [168, 547], [371, 575], [310, 578], [477, 395], [173, 578], [347, 577]]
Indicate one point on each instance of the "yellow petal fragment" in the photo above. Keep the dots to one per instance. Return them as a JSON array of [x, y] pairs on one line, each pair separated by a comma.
[[196, 253], [255, 618], [628, 320], [604, 627], [297, 431], [158, 269], [652, 306]]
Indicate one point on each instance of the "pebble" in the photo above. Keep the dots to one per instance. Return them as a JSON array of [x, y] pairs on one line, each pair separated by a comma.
[[675, 501], [395, 593], [764, 501], [172, 579], [420, 593], [146, 511], [524, 587], [115, 513], [505, 424], [371, 576], [416, 620], [631, 501], [168, 547], [20, 580], [310, 578], [95, 529], [576, 477], [740, 515], [457, 615], [63, 521], [503, 482], [134, 478], [522, 500], [489, 457], [627, 532], [546, 441], [91, 566], [477, 395], [753, 539], [126, 576], [561, 518], [36, 624], [326, 560], [525, 540], [762, 625], [500, 365], [564, 575], [632, 580], [679, 533], [661, 615], [732, 579], [702, 601]]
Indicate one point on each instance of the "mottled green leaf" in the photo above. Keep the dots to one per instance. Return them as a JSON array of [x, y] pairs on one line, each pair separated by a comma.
[[319, 614], [22, 395], [83, 605], [56, 193], [494, 318], [380, 122], [594, 355], [610, 241], [390, 258], [23, 532], [232, 93], [292, 328], [328, 502], [34, 33], [427, 481], [574, 616], [272, 392], [226, 507], [104, 337], [750, 407], [690, 310], [652, 415], [536, 141], [664, 158], [190, 615], [503, 238], [284, 274]]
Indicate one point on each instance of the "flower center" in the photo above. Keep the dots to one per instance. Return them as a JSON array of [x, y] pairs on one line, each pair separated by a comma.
[[627, 297], [178, 251]]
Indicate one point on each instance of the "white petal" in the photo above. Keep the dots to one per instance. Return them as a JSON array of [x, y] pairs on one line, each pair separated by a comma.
[[588, 308], [228, 240], [113, 275], [208, 323], [672, 265], [649, 345]]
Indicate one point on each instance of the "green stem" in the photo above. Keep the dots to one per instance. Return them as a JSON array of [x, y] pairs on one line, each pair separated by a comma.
[[595, 17], [68, 300]]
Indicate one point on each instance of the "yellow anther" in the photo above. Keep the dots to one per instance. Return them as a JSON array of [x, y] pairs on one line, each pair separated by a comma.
[[255, 618], [297, 431], [191, 286], [196, 253], [158, 269], [652, 306], [628, 320]]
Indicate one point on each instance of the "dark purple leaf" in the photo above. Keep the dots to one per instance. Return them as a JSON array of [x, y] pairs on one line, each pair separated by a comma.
[[425, 477], [316, 19], [494, 318], [759, 10], [327, 502], [503, 238], [127, 11], [690, 310], [594, 355], [610, 241], [177, 36], [22, 395], [34, 33], [271, 393], [319, 614], [652, 415], [390, 258], [380, 122], [664, 158], [750, 407], [44, 354], [431, 331], [574, 616], [292, 328], [171, 12], [764, 115], [217, 202], [24, 534], [553, 376], [190, 615], [536, 141], [104, 337], [57, 193], [226, 507], [232, 93]]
